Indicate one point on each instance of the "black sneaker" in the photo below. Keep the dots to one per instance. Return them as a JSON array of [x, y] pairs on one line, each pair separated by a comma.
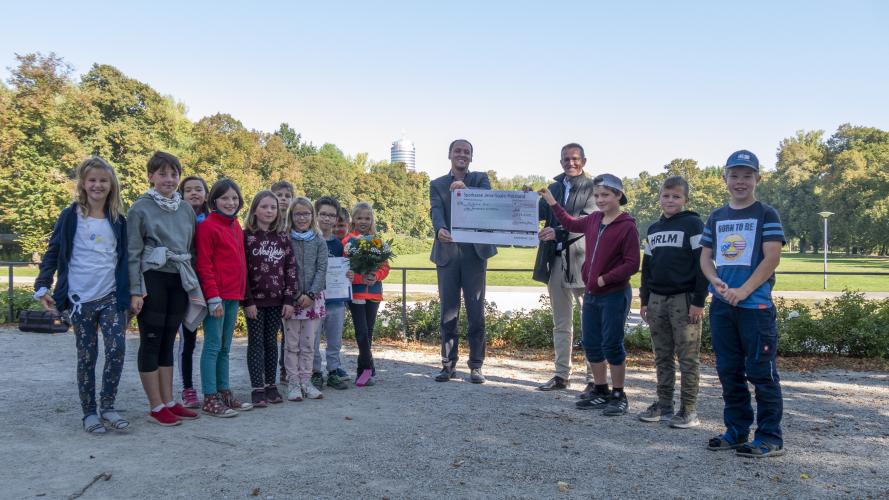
[[617, 406], [597, 401], [589, 390], [445, 374], [317, 380]]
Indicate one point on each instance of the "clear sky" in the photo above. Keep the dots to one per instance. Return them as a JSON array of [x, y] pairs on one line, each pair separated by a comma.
[[637, 83]]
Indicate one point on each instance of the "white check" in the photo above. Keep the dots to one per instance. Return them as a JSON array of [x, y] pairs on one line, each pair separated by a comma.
[[494, 217]]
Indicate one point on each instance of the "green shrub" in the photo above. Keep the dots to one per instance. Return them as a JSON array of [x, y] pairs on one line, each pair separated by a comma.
[[22, 300]]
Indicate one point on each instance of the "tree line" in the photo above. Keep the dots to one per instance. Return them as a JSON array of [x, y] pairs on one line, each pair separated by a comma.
[[51, 120]]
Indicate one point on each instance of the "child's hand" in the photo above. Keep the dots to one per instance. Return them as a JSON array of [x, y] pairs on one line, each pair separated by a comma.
[[216, 310], [250, 312], [49, 304], [350, 274], [136, 304], [547, 196], [643, 312], [287, 312], [695, 314], [720, 286], [370, 279], [735, 295], [304, 301], [600, 282]]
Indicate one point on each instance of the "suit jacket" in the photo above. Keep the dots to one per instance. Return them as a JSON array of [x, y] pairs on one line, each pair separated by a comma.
[[580, 202], [440, 212]]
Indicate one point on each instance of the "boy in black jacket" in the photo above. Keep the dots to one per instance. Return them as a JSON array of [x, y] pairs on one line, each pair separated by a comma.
[[673, 293]]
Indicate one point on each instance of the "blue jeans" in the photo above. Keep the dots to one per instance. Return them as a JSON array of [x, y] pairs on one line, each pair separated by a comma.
[[332, 328], [603, 320], [745, 342], [217, 344]]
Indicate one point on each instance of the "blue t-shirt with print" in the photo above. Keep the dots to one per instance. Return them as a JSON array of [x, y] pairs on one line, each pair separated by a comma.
[[736, 238]]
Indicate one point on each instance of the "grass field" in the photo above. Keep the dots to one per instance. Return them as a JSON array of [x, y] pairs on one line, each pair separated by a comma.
[[522, 258]]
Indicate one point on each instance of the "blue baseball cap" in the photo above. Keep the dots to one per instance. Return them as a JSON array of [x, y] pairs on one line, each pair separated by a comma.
[[743, 158]]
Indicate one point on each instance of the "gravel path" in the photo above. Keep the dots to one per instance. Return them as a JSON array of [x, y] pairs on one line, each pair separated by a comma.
[[409, 437]]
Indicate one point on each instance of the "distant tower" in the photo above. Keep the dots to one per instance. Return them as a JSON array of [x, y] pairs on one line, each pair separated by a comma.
[[403, 151]]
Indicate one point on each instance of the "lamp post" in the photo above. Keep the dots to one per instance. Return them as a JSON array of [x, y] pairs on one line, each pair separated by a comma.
[[825, 215]]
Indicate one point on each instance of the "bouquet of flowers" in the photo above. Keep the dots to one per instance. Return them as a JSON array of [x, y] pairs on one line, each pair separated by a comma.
[[367, 253]]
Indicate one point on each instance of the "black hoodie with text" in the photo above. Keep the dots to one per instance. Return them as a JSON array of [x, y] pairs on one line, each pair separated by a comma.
[[672, 261]]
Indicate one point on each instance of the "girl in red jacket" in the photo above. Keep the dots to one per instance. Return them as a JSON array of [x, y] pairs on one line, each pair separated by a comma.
[[222, 271], [612, 256], [367, 292]]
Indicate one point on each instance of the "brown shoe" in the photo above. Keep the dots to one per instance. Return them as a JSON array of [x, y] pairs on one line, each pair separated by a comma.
[[232, 402], [215, 407]]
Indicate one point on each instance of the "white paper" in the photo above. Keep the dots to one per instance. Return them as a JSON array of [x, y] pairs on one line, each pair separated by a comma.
[[494, 217], [338, 285]]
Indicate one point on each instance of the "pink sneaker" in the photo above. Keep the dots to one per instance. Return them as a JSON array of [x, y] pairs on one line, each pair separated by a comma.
[[190, 398], [364, 378]]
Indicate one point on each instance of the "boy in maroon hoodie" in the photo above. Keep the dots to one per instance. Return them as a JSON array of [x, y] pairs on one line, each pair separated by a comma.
[[612, 256]]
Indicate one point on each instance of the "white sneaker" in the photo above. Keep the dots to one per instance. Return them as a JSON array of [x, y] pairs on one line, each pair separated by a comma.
[[295, 393], [312, 392]]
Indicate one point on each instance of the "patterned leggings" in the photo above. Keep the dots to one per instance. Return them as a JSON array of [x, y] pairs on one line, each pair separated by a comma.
[[262, 349], [101, 313]]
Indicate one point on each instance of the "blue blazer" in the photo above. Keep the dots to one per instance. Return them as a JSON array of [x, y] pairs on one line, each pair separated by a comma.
[[58, 256]]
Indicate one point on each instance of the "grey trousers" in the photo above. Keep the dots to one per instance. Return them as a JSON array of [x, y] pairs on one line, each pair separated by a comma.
[[332, 329], [563, 301], [465, 274]]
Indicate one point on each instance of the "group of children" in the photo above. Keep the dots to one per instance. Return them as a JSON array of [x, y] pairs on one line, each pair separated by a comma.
[[179, 260], [736, 253], [172, 263]]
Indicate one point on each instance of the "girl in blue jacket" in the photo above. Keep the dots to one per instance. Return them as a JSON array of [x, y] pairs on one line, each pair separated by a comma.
[[88, 253]]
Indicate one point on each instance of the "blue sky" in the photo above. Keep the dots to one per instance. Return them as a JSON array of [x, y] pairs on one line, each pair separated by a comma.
[[638, 83]]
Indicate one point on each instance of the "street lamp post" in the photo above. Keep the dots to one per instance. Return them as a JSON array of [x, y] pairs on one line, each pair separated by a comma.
[[825, 215]]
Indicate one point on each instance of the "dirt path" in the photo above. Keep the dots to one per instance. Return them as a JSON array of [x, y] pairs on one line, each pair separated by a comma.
[[409, 437]]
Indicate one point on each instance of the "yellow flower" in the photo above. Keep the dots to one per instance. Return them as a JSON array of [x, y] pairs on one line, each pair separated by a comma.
[[377, 242]]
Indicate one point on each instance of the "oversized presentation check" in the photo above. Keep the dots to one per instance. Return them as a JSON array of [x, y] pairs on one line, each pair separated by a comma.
[[494, 217]]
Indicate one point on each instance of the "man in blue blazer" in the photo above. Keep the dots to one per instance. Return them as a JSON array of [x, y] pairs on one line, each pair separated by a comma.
[[460, 266]]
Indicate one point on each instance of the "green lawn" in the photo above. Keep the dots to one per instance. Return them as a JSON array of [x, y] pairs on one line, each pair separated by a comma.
[[523, 258]]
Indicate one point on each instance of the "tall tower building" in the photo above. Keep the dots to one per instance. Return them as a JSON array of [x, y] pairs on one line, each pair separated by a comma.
[[403, 151]]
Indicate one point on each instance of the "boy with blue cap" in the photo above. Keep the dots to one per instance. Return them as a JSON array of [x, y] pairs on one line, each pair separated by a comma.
[[744, 238]]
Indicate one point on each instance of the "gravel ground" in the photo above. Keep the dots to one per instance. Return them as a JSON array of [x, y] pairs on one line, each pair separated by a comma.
[[409, 437]]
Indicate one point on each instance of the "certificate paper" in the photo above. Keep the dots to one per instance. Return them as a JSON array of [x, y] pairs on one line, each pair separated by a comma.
[[494, 217], [338, 285]]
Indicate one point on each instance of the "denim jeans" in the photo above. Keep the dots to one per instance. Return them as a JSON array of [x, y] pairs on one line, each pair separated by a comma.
[[603, 320], [332, 329], [217, 344]]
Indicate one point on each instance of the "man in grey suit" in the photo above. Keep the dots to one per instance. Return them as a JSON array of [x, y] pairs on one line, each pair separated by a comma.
[[460, 266], [560, 256]]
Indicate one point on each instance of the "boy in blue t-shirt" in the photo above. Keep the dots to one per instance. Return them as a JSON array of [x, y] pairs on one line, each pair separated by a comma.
[[745, 238]]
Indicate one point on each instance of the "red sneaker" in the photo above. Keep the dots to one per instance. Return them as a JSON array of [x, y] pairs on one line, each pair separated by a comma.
[[183, 412], [163, 417]]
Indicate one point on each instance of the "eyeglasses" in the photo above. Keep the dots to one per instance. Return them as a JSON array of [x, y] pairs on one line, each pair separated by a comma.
[[323, 215], [302, 215]]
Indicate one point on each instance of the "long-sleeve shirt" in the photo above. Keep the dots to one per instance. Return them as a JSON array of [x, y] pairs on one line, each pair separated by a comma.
[[672, 261]]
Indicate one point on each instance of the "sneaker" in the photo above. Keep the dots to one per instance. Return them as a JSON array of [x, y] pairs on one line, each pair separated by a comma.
[[295, 393], [163, 417], [655, 413], [556, 383], [215, 407], [343, 374], [476, 377], [258, 398], [312, 392], [317, 380], [234, 403], [272, 395], [190, 398], [334, 380], [685, 419], [283, 375], [617, 406], [596, 401], [182, 412], [445, 374], [760, 449], [589, 390]]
